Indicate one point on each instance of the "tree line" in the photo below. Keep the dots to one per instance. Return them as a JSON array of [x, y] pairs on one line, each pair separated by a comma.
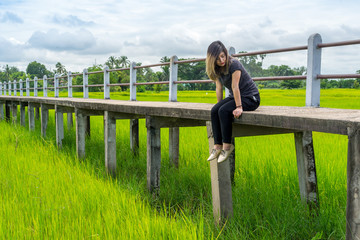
[[186, 71]]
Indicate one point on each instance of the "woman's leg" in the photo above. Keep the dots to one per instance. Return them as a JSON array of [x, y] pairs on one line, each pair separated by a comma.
[[227, 117], [215, 121]]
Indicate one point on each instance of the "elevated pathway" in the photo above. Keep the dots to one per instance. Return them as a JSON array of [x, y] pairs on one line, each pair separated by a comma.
[[266, 120]]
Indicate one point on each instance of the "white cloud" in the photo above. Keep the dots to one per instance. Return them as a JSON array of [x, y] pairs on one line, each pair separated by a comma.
[[71, 21], [9, 17], [53, 40], [9, 52]]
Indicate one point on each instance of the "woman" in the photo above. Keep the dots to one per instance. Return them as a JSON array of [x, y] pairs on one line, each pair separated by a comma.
[[244, 96]]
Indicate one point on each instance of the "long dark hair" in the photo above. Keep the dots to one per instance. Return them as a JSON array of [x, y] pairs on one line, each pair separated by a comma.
[[213, 52]]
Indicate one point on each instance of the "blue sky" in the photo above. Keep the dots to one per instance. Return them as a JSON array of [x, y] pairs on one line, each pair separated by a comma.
[[80, 33]]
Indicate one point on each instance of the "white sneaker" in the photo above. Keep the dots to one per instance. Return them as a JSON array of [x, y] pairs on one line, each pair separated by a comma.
[[225, 154], [214, 154]]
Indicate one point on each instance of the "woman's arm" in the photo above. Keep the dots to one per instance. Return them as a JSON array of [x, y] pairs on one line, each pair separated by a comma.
[[219, 90], [236, 91]]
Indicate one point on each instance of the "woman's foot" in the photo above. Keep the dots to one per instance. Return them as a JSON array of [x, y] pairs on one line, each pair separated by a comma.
[[214, 154], [225, 153]]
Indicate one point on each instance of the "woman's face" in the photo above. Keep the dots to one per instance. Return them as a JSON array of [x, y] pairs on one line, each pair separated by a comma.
[[221, 60]]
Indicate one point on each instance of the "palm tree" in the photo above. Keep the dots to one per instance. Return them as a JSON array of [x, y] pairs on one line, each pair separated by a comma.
[[124, 61], [112, 62], [7, 72], [60, 69]]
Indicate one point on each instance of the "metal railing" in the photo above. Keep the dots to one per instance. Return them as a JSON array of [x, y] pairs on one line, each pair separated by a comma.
[[312, 78]]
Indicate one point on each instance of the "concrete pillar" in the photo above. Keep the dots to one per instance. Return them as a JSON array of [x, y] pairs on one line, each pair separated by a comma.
[[44, 119], [231, 51], [69, 85], [9, 86], [85, 83], [134, 123], [353, 185], [106, 83], [153, 156], [87, 126], [2, 110], [232, 162], [56, 85], [21, 87], [132, 81], [14, 112], [134, 135], [22, 114], [306, 168], [5, 88], [70, 123], [15, 88], [313, 69], [27, 85], [59, 120], [31, 116], [37, 113], [110, 143], [35, 86], [45, 87], [172, 79], [80, 133], [220, 185], [174, 146], [173, 132], [7, 111]]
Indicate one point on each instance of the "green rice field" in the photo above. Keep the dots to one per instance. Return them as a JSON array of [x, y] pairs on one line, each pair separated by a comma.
[[46, 193]]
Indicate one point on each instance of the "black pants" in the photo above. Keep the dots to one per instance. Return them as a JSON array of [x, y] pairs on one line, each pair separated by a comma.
[[222, 116]]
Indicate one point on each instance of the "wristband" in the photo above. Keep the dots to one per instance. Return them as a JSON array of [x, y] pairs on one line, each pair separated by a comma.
[[239, 106]]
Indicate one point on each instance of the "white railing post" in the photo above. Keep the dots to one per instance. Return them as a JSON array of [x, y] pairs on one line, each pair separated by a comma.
[[45, 86], [56, 85], [9, 84], [313, 69], [173, 131], [27, 87], [69, 85], [231, 51], [21, 87], [172, 79], [14, 87], [106, 83], [35, 86], [132, 82], [1, 91], [5, 93], [85, 83]]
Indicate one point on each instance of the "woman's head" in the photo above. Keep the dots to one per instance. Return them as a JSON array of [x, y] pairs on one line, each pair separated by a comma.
[[217, 60]]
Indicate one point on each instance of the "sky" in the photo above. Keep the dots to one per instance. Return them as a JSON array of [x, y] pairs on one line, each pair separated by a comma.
[[80, 33]]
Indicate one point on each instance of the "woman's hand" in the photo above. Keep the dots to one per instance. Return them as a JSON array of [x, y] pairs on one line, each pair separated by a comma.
[[237, 112]]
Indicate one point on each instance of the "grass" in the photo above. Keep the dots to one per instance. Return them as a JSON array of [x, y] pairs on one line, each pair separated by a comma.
[[49, 193]]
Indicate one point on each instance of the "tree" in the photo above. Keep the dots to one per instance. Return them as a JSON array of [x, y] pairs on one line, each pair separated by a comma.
[[165, 68], [36, 69], [60, 69], [253, 64], [11, 73], [194, 71], [285, 70], [124, 61], [7, 72], [96, 78], [112, 62]]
